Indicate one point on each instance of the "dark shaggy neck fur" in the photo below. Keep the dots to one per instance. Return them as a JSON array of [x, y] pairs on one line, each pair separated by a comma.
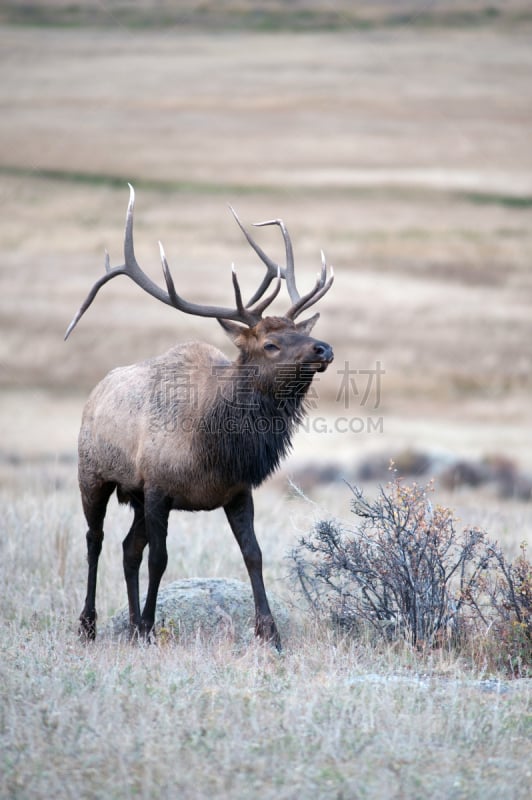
[[245, 441]]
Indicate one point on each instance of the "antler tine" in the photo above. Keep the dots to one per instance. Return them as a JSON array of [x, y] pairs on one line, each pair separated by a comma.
[[256, 312], [129, 268], [88, 300], [272, 269], [240, 314], [320, 288], [271, 297], [290, 270]]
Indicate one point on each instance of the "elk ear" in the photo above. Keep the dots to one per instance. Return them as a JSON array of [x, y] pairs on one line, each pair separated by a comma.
[[307, 324], [233, 330]]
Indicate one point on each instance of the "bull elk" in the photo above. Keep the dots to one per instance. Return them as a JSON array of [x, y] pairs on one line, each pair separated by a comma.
[[191, 430]]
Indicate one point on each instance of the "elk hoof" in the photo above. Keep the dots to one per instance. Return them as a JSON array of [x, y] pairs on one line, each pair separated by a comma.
[[266, 629], [143, 633], [87, 628]]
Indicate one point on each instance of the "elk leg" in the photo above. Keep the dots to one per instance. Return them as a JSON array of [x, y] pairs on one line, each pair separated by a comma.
[[94, 507], [156, 511], [239, 513], [133, 548]]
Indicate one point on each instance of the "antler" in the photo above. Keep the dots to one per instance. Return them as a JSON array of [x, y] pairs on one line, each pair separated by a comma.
[[245, 314], [299, 304], [249, 314]]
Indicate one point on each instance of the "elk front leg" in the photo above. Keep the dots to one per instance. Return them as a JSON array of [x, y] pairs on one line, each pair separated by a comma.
[[156, 511], [239, 513]]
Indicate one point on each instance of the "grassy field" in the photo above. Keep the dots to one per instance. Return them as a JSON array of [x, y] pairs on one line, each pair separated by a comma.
[[402, 148], [328, 718]]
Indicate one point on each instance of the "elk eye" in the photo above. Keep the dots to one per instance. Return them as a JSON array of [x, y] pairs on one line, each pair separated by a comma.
[[270, 347]]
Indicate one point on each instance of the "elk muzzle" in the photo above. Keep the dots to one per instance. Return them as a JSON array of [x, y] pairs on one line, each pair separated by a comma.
[[322, 355]]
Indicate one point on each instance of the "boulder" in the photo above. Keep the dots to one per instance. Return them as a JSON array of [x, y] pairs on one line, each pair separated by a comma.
[[212, 607]]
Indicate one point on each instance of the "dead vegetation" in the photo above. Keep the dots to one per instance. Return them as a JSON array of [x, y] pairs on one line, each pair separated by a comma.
[[333, 714], [407, 571]]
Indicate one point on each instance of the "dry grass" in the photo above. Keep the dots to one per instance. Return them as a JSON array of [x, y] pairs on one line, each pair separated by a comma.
[[329, 718]]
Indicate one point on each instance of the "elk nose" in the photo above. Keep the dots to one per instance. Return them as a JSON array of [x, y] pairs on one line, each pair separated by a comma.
[[324, 351]]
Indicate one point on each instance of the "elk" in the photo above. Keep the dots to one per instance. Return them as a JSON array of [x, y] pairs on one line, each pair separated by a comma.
[[191, 430]]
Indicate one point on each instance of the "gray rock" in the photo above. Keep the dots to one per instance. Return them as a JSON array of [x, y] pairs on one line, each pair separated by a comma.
[[212, 607]]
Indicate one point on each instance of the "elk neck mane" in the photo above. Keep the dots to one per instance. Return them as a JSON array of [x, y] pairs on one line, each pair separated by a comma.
[[245, 436]]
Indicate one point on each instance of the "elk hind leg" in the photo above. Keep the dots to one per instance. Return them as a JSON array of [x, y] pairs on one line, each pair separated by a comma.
[[94, 507], [156, 511], [133, 548]]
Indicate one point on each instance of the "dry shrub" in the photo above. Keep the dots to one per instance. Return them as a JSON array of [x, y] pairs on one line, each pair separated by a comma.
[[509, 589], [406, 572]]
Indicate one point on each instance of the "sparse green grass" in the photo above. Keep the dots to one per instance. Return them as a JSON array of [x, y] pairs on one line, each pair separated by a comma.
[[298, 15], [95, 179], [328, 718], [226, 188], [494, 198]]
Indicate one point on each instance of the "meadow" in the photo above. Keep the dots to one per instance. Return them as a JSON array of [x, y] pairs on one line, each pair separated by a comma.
[[330, 717], [400, 148]]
